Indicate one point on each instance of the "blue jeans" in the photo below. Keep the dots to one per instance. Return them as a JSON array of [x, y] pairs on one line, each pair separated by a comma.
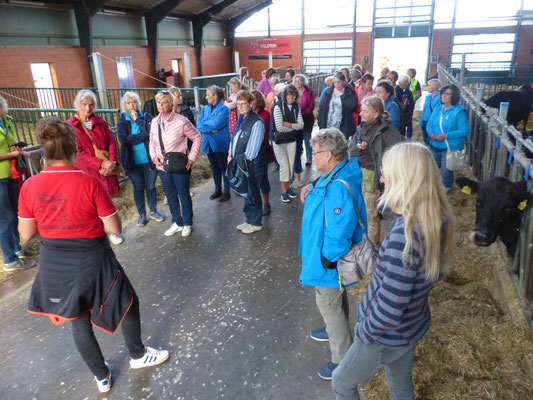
[[219, 165], [178, 185], [362, 361], [9, 236], [425, 132], [307, 143], [440, 158], [143, 179], [253, 204], [299, 150]]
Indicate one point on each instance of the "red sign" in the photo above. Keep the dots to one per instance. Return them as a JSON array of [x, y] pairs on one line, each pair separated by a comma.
[[280, 47]]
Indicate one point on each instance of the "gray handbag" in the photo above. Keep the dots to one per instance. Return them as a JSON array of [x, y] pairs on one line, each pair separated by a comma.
[[360, 261]]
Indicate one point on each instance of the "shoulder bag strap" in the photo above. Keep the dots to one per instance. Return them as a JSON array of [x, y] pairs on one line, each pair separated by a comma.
[[354, 203], [442, 130], [160, 138], [86, 131]]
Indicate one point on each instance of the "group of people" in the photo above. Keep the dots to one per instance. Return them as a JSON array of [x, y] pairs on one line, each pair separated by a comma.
[[366, 166]]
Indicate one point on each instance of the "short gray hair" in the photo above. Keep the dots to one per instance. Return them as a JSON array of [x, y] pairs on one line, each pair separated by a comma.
[[131, 95], [278, 87], [82, 95], [333, 140], [3, 106], [274, 81], [303, 78], [436, 82], [403, 78]]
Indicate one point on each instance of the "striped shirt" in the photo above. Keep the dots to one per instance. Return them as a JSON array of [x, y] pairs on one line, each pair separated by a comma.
[[278, 119], [395, 310]]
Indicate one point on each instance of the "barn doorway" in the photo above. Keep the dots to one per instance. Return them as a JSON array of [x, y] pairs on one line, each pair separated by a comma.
[[400, 54], [44, 84]]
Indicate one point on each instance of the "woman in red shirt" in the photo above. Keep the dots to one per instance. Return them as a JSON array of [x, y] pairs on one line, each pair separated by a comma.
[[79, 277]]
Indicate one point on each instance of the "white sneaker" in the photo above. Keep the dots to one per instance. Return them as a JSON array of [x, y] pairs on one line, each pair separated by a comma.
[[151, 357], [297, 183], [116, 239], [174, 228], [242, 226], [187, 230], [251, 229], [165, 201], [104, 385]]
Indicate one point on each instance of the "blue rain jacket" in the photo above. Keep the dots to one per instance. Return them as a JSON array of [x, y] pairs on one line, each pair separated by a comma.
[[430, 103], [214, 119], [454, 125], [330, 201]]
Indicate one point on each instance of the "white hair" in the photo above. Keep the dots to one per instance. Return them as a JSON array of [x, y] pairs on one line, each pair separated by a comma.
[[131, 96], [303, 78], [404, 78], [333, 140], [3, 106], [279, 87], [82, 95], [436, 82]]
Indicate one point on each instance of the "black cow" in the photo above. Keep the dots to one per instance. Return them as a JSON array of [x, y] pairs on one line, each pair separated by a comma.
[[520, 103], [500, 204]]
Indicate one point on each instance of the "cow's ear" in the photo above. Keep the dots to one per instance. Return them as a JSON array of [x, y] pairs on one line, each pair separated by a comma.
[[467, 185], [525, 199]]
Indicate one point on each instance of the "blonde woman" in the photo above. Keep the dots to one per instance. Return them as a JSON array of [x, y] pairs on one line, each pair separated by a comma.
[[235, 86], [394, 313]]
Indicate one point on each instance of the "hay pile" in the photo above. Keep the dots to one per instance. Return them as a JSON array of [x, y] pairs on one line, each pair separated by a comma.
[[472, 350]]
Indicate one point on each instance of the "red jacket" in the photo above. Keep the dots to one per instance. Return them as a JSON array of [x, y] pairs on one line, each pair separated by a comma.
[[104, 140]]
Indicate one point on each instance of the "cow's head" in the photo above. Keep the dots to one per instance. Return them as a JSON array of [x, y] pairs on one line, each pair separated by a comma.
[[499, 207]]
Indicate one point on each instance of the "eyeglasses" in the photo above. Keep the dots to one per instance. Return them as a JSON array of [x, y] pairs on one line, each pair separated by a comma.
[[321, 151], [243, 104], [447, 94]]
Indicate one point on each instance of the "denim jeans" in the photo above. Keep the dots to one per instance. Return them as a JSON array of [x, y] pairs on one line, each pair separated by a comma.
[[178, 185], [9, 236], [143, 179], [440, 158], [425, 132], [219, 165], [362, 361], [307, 143], [299, 150], [253, 204]]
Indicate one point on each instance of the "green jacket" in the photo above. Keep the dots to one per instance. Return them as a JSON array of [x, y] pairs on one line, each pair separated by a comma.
[[6, 141]]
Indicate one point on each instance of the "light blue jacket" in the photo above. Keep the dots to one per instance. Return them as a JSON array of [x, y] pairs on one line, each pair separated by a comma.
[[330, 201], [454, 125], [394, 111], [214, 119], [430, 103]]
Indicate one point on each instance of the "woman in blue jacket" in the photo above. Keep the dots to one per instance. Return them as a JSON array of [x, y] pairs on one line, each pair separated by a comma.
[[386, 92], [431, 103], [213, 124], [449, 123], [323, 243], [133, 130]]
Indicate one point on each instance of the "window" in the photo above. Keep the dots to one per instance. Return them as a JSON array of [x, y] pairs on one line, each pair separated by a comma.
[[125, 72], [483, 51], [327, 55]]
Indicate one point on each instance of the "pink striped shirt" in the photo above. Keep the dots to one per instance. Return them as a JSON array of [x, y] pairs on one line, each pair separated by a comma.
[[177, 130]]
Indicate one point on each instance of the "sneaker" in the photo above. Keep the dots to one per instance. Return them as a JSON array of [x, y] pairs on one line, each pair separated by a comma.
[[216, 194], [151, 357], [242, 226], [25, 253], [285, 198], [251, 228], [291, 194], [187, 230], [142, 221], [191, 193], [174, 228], [320, 335], [225, 197], [297, 183], [326, 372], [19, 265], [157, 216], [104, 385], [165, 200], [116, 239]]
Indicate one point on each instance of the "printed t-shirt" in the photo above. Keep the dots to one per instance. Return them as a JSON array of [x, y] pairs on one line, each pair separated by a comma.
[[66, 203]]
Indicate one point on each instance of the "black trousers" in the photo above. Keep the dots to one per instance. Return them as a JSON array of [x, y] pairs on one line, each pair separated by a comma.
[[89, 348]]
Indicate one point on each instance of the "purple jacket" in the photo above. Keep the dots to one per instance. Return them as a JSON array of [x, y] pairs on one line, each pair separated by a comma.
[[264, 86], [307, 105]]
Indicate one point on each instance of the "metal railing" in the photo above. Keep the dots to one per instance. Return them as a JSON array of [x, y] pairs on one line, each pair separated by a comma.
[[25, 120], [496, 149]]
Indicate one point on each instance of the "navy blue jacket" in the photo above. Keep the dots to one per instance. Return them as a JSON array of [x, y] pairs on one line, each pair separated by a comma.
[[127, 158]]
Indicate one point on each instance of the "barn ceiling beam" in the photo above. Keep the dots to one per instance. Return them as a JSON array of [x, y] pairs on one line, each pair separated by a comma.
[[233, 23], [84, 11], [198, 24], [152, 18]]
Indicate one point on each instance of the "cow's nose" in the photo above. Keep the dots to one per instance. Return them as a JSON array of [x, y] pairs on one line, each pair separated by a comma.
[[482, 233]]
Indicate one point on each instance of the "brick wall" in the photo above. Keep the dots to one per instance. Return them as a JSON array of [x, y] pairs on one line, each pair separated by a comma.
[[524, 55]]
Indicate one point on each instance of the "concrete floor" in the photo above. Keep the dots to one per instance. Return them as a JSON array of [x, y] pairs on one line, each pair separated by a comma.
[[227, 305]]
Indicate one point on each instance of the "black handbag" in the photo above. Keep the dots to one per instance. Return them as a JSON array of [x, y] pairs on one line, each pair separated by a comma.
[[174, 162]]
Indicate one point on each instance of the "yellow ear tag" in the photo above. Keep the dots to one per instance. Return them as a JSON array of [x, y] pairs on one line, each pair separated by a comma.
[[522, 205], [466, 189]]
